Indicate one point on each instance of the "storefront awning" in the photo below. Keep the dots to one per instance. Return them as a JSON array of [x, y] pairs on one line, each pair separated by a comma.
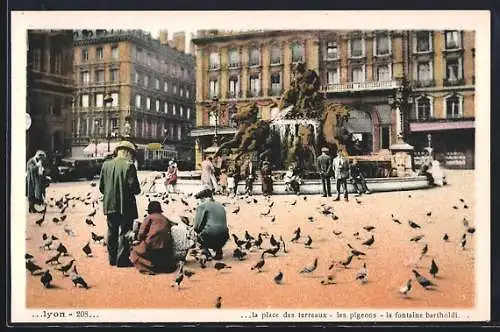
[[102, 148], [437, 126], [198, 132]]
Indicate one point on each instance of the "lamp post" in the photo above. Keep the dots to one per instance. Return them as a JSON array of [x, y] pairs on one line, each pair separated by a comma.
[[108, 100], [401, 100], [216, 111], [96, 126]]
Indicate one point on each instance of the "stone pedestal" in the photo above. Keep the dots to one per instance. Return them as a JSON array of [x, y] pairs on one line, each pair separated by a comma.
[[402, 158]]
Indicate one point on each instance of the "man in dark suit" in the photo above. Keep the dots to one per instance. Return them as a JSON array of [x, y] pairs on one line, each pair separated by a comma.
[[325, 171]]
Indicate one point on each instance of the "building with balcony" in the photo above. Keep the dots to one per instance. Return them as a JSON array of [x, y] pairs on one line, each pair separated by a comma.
[[49, 91], [128, 81], [443, 78]]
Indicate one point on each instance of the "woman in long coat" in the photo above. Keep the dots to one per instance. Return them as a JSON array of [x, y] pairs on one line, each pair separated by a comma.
[[267, 180], [36, 180]]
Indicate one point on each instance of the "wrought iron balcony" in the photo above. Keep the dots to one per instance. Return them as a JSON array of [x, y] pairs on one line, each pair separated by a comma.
[[234, 65], [214, 66], [233, 94], [454, 82], [254, 93], [274, 91], [361, 86], [423, 83]]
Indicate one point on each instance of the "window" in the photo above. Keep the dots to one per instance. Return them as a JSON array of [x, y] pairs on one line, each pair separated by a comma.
[[383, 73], [174, 87], [83, 128], [174, 111], [453, 70], [423, 42], [452, 39], [385, 137], [99, 53], [254, 85], [148, 59], [138, 101], [213, 88], [188, 113], [165, 86], [37, 54], [85, 55], [234, 58], [116, 99], [182, 92], [99, 74], [234, 86], [382, 44], [187, 93], [113, 74], [114, 124], [254, 57], [85, 100], [115, 54], [357, 47], [181, 111], [56, 61], [453, 107], [165, 107], [99, 100], [275, 55], [136, 77], [358, 75], [157, 84], [157, 105], [85, 77], [214, 60], [424, 71], [148, 103], [423, 108], [275, 83], [139, 54], [146, 81], [332, 51], [212, 119], [297, 52], [332, 77], [179, 132]]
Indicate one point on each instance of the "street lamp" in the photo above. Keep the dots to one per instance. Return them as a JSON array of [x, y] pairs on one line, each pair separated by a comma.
[[108, 100], [216, 111], [96, 126], [401, 100]]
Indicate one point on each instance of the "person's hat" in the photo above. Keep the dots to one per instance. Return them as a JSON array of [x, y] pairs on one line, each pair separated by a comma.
[[154, 207], [171, 162], [324, 149], [205, 192], [126, 145], [265, 162]]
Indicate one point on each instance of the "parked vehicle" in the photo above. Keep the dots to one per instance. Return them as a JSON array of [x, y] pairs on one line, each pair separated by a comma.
[[77, 168]]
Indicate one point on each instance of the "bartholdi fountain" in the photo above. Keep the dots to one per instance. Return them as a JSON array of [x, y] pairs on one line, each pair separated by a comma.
[[300, 125]]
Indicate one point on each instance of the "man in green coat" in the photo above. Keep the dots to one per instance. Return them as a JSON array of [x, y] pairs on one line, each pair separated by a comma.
[[119, 185], [325, 171], [210, 224]]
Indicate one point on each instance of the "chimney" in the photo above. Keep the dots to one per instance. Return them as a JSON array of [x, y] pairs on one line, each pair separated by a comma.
[[179, 41], [163, 37]]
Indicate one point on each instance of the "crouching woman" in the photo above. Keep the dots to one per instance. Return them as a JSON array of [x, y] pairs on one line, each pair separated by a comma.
[[154, 253]]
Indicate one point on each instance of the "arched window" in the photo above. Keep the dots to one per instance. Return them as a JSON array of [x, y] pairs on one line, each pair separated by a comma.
[[297, 52], [275, 54], [453, 105], [254, 56], [423, 108]]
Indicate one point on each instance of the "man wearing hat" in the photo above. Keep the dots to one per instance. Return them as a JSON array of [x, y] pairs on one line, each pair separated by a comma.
[[325, 171], [210, 223], [119, 185], [341, 173]]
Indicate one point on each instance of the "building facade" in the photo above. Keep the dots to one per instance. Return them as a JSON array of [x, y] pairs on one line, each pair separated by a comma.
[[359, 69], [49, 92], [128, 82]]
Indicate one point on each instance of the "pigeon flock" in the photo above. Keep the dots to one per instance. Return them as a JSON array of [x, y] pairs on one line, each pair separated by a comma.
[[266, 253]]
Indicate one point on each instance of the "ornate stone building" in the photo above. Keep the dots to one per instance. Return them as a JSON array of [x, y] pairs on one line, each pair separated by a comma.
[[49, 91], [359, 69], [149, 87]]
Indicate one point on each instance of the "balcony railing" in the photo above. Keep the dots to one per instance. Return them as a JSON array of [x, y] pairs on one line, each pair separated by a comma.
[[275, 61], [254, 93], [254, 64], [53, 78], [274, 91], [360, 86], [214, 66], [233, 94], [423, 83], [455, 82], [234, 65]]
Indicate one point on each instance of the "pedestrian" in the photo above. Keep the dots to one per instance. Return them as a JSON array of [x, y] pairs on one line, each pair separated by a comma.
[[155, 252], [292, 179], [36, 180], [325, 171], [223, 181], [231, 184], [210, 224], [267, 180], [426, 167], [341, 174], [207, 174], [249, 176], [171, 176], [119, 185], [358, 180]]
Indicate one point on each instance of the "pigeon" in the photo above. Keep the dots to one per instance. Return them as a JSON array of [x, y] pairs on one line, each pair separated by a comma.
[[97, 238], [236, 210], [279, 278], [184, 202], [296, 235], [283, 243], [362, 274], [369, 228], [271, 251], [434, 269], [358, 201], [273, 219], [56, 220], [91, 214], [395, 219], [417, 238], [258, 265], [40, 221], [308, 242], [406, 288], [310, 268], [337, 233], [248, 245], [65, 268], [185, 220], [239, 254], [335, 217], [471, 230], [463, 242], [273, 241], [46, 279], [271, 204], [203, 261], [466, 206], [47, 242], [248, 237], [369, 242], [425, 249], [266, 213], [465, 222], [64, 209], [255, 201], [257, 243], [461, 200], [78, 280], [237, 241], [429, 213], [68, 231], [220, 265], [54, 238], [218, 302], [62, 249], [89, 222], [445, 237], [423, 281], [188, 273], [63, 217], [310, 219], [409, 196], [330, 280], [28, 256], [413, 225], [32, 267], [455, 207], [86, 249], [54, 259], [93, 184], [294, 202], [356, 235], [355, 252]]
